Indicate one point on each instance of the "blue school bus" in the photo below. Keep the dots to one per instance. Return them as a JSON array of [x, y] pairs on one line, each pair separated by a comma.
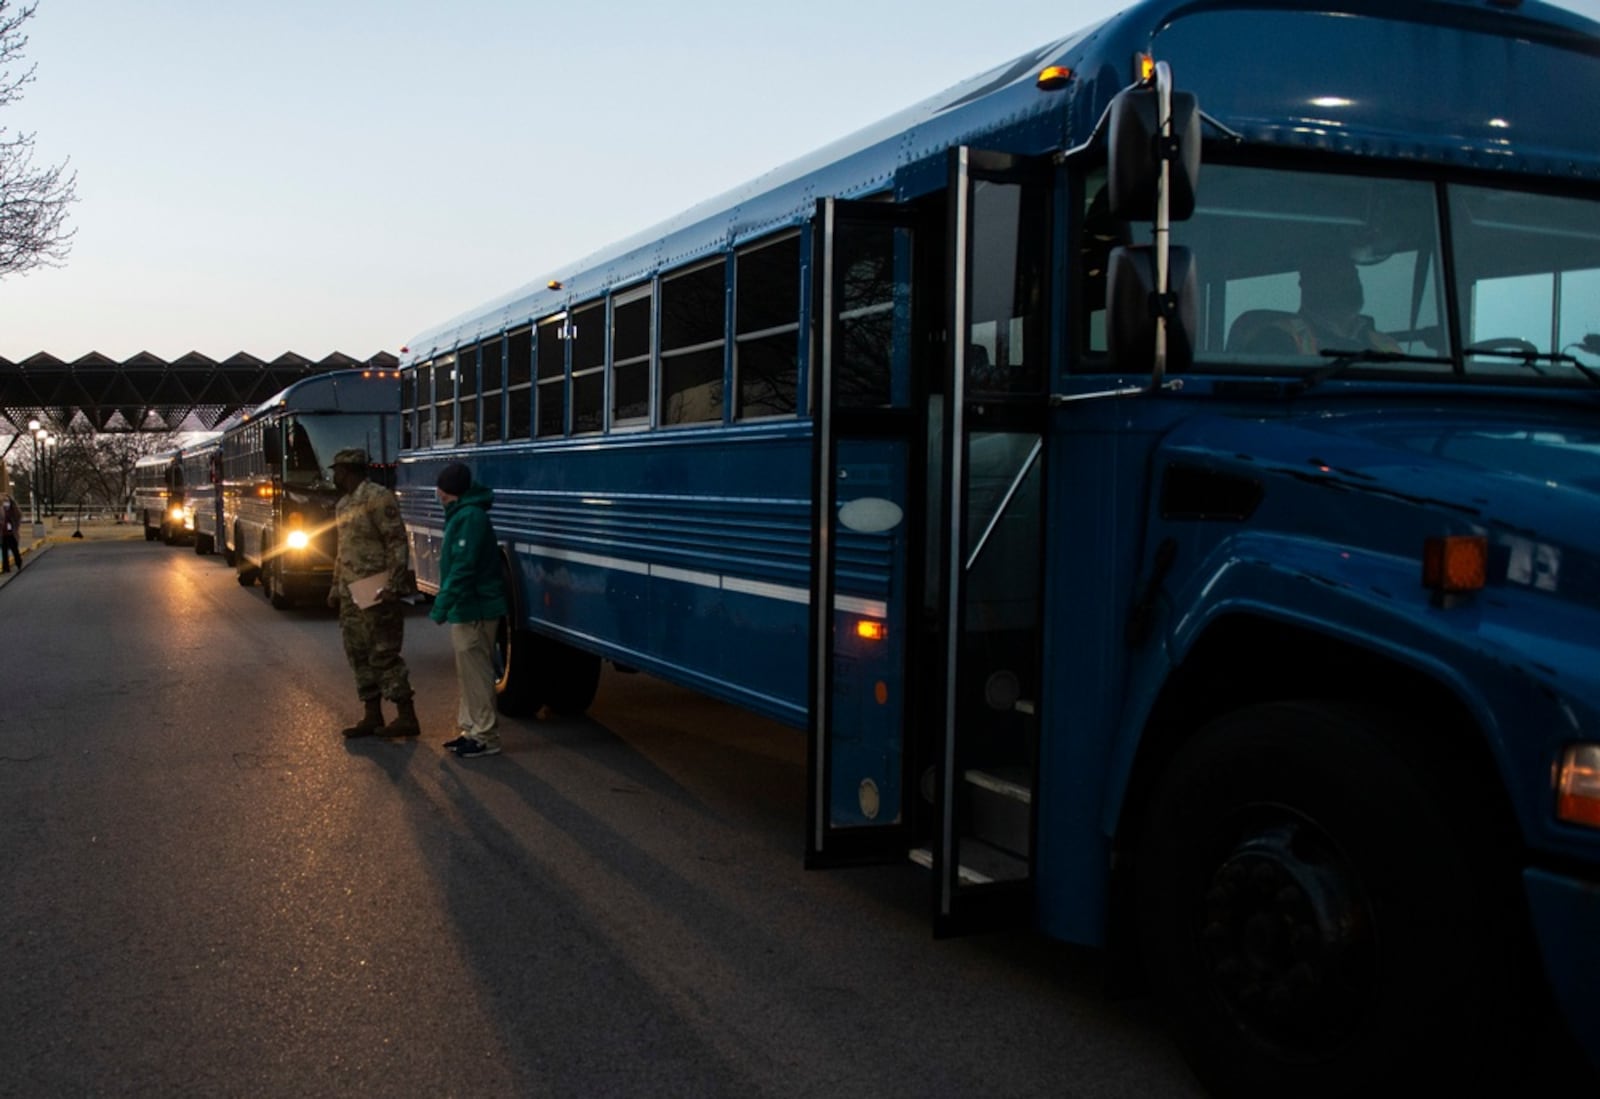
[[276, 480], [1162, 475]]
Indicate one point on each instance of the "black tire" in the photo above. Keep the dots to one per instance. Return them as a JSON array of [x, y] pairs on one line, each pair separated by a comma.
[[149, 531], [572, 677], [517, 688], [272, 586], [1314, 915], [246, 574]]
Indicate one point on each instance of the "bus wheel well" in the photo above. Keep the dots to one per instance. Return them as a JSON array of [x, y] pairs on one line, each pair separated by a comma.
[[1246, 660]]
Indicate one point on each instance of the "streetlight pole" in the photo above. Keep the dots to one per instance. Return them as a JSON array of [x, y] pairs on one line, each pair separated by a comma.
[[50, 474], [36, 430]]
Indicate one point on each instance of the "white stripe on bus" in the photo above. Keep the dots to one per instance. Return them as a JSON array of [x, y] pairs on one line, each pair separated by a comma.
[[761, 589]]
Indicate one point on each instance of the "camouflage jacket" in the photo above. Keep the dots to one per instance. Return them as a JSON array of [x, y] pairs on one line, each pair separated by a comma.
[[372, 538]]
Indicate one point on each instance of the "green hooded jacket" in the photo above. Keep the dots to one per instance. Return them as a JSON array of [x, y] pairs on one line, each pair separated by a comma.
[[472, 587]]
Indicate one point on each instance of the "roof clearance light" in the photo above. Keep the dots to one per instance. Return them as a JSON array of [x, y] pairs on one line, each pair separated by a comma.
[[553, 284], [871, 630], [1053, 78], [1455, 564], [1578, 785]]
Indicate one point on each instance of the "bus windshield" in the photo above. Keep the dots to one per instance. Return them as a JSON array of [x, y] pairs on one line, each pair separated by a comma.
[[311, 441], [1297, 267]]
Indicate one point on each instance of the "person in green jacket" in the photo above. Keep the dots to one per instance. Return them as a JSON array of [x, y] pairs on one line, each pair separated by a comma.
[[472, 598]]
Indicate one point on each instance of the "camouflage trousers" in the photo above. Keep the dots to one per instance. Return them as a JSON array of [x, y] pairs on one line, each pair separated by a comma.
[[372, 641]]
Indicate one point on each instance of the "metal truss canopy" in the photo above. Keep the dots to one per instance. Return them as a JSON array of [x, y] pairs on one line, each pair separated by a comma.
[[144, 393]]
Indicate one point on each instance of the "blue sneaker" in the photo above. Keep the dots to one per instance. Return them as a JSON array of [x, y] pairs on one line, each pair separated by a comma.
[[475, 748]]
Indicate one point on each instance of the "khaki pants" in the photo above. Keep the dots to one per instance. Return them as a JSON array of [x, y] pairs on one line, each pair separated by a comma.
[[474, 646]]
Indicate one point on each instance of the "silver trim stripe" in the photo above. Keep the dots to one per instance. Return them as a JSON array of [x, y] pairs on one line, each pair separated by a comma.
[[761, 589]]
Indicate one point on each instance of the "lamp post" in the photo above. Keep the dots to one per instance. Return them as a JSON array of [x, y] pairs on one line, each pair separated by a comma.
[[49, 474], [35, 429]]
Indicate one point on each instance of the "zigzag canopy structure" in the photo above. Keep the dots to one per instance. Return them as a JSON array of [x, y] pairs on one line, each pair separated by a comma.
[[145, 393]]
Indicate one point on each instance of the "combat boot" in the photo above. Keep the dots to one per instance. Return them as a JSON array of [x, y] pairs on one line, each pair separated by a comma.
[[405, 722], [370, 722]]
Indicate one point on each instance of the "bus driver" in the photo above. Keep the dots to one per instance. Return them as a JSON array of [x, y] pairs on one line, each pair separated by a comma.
[[1330, 317]]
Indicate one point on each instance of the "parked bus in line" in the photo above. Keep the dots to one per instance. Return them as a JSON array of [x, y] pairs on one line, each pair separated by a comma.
[[278, 493], [1162, 475], [202, 480], [158, 495]]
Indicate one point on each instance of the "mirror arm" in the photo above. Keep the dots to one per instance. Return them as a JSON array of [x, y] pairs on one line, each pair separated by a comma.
[[1163, 222]]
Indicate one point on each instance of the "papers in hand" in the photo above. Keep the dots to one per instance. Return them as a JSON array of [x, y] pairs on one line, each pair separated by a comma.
[[364, 592]]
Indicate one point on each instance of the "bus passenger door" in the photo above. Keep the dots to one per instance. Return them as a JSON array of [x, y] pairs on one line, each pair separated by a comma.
[[988, 527], [864, 431]]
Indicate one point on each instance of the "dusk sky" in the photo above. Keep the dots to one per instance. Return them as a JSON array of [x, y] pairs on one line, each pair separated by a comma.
[[315, 177]]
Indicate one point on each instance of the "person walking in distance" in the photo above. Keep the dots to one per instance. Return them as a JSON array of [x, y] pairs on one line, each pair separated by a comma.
[[472, 599], [370, 575], [10, 533]]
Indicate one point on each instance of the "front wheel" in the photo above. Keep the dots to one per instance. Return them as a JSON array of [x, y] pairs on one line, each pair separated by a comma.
[[244, 572], [272, 586], [1314, 915]]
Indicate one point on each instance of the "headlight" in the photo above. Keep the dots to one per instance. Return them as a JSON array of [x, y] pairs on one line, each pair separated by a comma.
[[298, 539]]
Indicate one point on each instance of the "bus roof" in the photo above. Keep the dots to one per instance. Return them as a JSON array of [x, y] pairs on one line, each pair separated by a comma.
[[1484, 87], [335, 391]]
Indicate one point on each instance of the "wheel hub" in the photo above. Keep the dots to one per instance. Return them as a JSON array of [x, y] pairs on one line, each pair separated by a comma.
[[1288, 935]]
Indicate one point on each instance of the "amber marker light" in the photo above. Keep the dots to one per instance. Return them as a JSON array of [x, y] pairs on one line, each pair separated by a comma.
[[871, 630], [1455, 564], [1144, 68], [1053, 78], [1578, 785], [553, 284]]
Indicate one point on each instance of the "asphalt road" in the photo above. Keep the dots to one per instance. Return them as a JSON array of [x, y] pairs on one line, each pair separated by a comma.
[[207, 891]]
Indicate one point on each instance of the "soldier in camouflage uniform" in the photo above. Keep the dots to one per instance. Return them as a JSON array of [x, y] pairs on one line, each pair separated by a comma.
[[372, 540]]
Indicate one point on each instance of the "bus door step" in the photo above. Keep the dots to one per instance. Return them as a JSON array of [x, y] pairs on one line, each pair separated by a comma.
[[1001, 808], [981, 864]]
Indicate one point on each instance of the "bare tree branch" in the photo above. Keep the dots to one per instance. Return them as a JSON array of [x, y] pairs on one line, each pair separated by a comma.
[[33, 201]]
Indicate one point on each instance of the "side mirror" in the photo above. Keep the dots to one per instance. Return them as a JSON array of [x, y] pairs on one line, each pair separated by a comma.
[[1137, 148], [1134, 302]]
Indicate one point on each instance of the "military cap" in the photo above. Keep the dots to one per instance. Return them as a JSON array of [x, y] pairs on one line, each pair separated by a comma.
[[351, 456]]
